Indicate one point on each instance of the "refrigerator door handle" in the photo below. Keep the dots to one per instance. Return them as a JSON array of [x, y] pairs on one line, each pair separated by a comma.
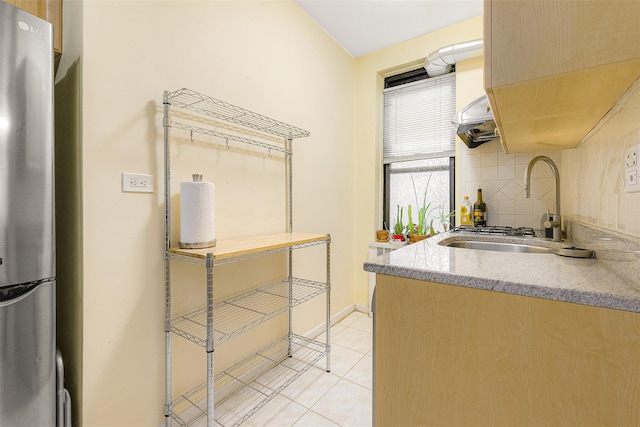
[[13, 294], [63, 398]]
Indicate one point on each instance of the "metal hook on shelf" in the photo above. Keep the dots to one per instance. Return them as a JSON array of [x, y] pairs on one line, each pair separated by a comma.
[[226, 143], [269, 152], [192, 140]]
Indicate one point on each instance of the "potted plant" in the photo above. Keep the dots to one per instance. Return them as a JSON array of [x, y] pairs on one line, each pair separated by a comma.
[[445, 218], [398, 227], [411, 228], [424, 228]]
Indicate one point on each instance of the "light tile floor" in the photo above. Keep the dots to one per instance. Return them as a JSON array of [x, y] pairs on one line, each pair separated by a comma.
[[341, 397]]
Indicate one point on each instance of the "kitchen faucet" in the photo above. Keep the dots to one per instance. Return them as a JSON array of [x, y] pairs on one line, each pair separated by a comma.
[[556, 223]]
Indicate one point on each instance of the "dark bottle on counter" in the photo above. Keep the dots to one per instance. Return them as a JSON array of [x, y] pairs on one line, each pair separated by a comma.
[[479, 211]]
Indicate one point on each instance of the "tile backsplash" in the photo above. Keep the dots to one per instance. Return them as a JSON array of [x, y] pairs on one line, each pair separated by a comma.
[[501, 177], [591, 176], [593, 190]]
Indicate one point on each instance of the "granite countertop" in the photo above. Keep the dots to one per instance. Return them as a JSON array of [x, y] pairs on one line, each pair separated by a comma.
[[603, 281]]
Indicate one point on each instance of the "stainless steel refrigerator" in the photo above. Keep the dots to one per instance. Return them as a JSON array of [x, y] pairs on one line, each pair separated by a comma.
[[28, 390]]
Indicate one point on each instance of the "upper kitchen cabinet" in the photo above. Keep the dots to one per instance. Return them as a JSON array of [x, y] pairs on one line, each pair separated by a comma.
[[554, 68], [49, 10]]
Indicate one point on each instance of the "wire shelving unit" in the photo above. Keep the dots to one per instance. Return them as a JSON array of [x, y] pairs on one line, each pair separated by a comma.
[[232, 396]]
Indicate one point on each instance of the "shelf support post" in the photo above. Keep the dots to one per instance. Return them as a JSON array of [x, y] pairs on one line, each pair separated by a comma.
[[290, 351], [289, 178], [328, 294], [210, 344], [289, 155], [168, 407]]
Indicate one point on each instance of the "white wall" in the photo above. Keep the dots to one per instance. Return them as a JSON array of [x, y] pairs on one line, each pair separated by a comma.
[[265, 56]]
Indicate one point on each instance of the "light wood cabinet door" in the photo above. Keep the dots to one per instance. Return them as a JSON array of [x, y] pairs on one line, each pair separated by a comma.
[[554, 68], [49, 10], [448, 355]]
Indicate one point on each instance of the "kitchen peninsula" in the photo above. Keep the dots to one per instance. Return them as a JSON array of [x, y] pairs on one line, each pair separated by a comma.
[[477, 337]]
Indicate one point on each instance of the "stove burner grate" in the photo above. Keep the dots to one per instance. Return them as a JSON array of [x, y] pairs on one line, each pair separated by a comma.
[[497, 229]]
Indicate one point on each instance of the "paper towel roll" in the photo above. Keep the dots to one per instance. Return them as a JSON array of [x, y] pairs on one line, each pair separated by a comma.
[[197, 215]]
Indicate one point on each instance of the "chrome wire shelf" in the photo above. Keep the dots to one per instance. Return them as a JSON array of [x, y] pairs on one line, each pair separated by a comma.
[[228, 137], [211, 107], [237, 315], [247, 386]]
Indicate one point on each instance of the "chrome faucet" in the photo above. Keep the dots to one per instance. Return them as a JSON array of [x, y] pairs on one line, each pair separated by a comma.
[[556, 223]]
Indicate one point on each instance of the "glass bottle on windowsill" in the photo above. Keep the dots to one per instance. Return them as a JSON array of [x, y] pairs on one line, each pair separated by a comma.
[[479, 211]]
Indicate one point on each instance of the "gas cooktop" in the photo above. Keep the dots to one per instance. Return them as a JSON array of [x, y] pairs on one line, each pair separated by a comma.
[[496, 229]]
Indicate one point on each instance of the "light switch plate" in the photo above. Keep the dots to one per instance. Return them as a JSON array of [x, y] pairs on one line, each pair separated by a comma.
[[137, 183], [632, 168]]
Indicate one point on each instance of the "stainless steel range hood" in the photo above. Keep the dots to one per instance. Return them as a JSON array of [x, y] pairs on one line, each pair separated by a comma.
[[475, 124]]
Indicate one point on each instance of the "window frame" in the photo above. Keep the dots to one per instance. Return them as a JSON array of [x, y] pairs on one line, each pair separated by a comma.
[[386, 205], [402, 79]]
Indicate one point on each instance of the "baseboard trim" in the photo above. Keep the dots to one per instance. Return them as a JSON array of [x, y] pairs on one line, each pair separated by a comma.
[[362, 308], [337, 318]]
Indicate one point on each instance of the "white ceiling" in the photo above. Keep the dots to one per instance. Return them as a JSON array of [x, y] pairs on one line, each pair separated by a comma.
[[364, 26]]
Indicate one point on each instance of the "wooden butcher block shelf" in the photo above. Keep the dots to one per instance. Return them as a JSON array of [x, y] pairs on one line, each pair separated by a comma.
[[252, 245]]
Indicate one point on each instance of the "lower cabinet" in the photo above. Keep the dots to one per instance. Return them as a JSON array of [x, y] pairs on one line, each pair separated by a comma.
[[451, 356]]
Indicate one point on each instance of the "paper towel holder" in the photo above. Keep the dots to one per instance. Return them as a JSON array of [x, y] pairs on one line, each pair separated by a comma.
[[202, 245], [197, 177]]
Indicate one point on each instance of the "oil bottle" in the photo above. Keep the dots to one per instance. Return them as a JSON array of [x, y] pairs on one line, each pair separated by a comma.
[[479, 211], [466, 212]]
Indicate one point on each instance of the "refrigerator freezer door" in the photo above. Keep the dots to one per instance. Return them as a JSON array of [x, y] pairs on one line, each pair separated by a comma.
[[26, 148], [27, 358]]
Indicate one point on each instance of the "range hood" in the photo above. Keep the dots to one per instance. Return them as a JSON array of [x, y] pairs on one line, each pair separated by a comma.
[[475, 124]]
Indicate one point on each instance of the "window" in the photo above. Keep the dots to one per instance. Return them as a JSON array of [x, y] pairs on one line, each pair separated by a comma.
[[419, 147]]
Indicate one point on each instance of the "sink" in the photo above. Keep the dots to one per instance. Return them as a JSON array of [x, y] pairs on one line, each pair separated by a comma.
[[499, 247], [571, 252]]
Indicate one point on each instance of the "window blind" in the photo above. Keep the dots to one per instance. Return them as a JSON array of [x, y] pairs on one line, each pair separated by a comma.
[[417, 119]]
